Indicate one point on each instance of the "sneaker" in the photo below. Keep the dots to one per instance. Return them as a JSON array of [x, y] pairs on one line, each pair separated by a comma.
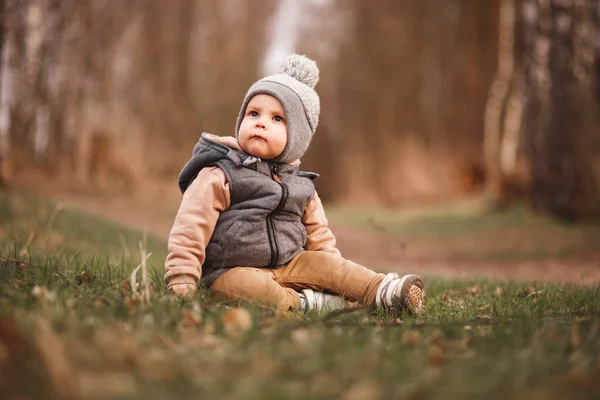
[[319, 301], [406, 293]]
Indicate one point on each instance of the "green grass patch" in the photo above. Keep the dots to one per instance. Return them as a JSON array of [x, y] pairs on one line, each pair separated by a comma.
[[516, 234], [467, 219], [70, 327]]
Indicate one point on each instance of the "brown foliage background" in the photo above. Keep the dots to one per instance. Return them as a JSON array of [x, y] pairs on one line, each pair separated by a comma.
[[102, 95]]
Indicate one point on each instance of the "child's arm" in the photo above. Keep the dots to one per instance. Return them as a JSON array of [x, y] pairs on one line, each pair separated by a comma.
[[319, 236], [202, 202]]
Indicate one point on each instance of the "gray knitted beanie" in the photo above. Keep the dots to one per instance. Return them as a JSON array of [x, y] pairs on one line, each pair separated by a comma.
[[294, 88]]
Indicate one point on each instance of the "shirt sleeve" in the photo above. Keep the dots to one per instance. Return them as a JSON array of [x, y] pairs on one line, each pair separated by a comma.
[[201, 205], [319, 236]]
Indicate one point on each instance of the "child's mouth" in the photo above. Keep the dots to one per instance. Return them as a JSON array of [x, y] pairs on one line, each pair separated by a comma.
[[258, 137]]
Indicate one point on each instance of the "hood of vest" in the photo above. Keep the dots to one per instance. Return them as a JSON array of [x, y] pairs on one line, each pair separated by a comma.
[[208, 152]]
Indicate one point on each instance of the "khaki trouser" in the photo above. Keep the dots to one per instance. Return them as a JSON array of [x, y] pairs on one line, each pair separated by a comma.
[[315, 270]]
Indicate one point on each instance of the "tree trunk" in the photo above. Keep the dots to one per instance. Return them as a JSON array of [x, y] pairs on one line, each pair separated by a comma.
[[561, 119], [493, 140]]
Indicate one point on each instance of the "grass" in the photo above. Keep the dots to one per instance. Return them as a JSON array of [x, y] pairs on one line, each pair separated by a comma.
[[70, 327], [513, 235]]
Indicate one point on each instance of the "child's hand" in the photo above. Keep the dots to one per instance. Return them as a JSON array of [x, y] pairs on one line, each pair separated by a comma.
[[183, 289]]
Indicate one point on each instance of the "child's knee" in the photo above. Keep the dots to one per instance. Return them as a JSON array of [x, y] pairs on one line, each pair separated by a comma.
[[242, 283]]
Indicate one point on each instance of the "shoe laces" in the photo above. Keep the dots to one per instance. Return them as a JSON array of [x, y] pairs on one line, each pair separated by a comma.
[[387, 289]]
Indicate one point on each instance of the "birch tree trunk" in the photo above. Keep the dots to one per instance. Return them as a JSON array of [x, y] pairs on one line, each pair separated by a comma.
[[496, 103]]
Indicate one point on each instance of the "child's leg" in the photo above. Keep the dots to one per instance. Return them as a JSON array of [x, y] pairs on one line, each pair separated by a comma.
[[256, 284], [319, 270]]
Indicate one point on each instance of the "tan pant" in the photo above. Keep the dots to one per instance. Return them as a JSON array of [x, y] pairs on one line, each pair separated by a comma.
[[315, 270]]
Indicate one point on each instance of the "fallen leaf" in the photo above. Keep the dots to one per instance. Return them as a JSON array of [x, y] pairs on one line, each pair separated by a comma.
[[411, 338], [156, 364], [84, 278], [126, 288], [236, 321], [43, 294], [363, 390], [435, 355], [131, 302], [473, 290], [436, 337], [103, 385], [304, 337], [465, 343], [191, 316]]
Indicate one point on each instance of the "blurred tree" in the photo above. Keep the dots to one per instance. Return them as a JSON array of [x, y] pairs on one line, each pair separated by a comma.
[[561, 58], [116, 96], [404, 98], [500, 137]]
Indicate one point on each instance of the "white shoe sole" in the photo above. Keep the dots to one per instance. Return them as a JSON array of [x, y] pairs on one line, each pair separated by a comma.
[[410, 294]]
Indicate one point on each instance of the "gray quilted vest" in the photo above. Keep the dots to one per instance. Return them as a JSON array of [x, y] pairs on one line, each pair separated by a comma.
[[263, 225]]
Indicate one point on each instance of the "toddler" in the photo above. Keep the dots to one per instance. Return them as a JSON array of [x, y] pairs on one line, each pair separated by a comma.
[[251, 225]]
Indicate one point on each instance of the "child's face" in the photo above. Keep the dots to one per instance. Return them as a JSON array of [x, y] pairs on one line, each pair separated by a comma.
[[263, 130]]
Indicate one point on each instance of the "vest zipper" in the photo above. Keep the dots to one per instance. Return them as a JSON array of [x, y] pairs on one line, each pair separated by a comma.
[[270, 227]]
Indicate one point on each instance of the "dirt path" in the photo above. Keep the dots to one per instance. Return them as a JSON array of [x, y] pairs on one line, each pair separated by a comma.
[[434, 257]]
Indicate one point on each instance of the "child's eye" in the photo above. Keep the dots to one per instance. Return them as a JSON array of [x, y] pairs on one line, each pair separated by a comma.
[[253, 114], [277, 118]]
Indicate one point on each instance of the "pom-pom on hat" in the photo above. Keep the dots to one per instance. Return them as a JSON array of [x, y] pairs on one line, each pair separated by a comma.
[[294, 87]]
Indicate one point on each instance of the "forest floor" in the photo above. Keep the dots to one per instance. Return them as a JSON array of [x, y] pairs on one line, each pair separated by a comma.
[[75, 323], [457, 239]]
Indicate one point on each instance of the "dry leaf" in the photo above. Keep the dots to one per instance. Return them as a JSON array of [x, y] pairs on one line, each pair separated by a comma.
[[498, 291], [448, 296], [53, 352], [473, 290], [191, 317], [436, 337], [304, 337], [156, 365], [126, 288], [84, 278], [465, 343], [411, 338], [43, 294], [131, 302], [325, 384], [435, 355], [197, 339], [116, 345], [236, 321], [363, 390], [103, 385], [526, 292]]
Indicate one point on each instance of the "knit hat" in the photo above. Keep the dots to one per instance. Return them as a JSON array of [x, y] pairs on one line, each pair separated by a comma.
[[294, 88]]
